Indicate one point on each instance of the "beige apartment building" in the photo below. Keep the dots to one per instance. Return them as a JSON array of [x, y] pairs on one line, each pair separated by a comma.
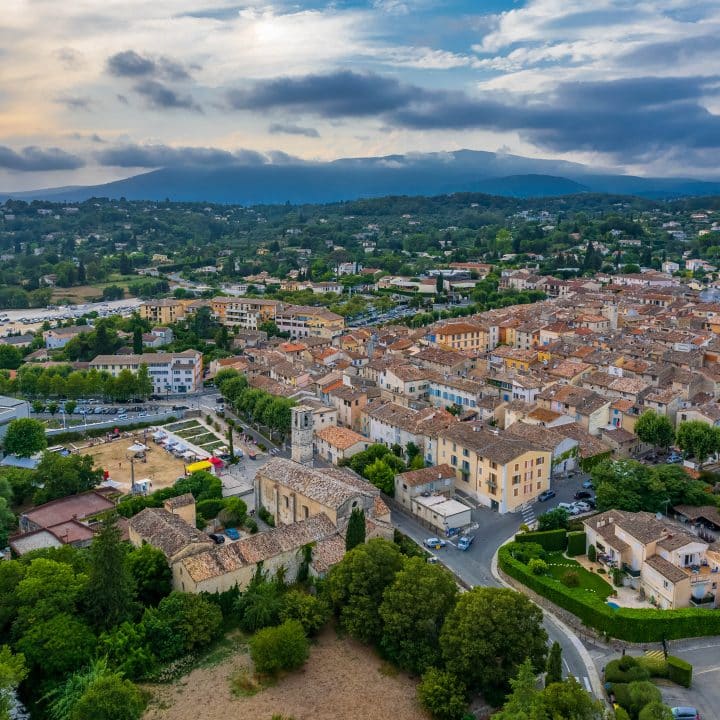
[[246, 313], [164, 312], [500, 471]]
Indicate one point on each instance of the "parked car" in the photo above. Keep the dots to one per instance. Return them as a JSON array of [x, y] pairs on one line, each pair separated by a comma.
[[232, 533], [582, 495], [566, 506], [673, 458], [685, 713], [588, 485], [591, 502], [465, 542], [216, 538], [434, 542], [546, 495], [582, 507], [251, 454]]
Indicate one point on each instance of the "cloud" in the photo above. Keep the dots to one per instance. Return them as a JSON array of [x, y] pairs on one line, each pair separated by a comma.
[[290, 129], [154, 156], [338, 94], [35, 159], [69, 58], [161, 97], [74, 103], [130, 64]]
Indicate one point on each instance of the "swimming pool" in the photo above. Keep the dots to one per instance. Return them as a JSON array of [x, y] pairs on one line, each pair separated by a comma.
[[613, 605]]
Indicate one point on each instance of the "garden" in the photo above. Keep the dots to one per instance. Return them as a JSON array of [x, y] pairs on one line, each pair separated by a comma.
[[198, 434]]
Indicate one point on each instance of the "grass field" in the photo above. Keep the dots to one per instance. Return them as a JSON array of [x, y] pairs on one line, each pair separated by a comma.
[[558, 565]]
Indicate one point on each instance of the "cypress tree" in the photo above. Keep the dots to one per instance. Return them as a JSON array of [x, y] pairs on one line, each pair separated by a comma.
[[554, 665], [137, 341], [355, 530]]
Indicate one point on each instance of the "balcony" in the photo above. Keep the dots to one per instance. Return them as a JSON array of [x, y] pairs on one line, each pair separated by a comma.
[[630, 571], [707, 601]]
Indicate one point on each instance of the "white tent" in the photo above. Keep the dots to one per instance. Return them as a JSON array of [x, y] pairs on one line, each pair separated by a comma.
[[137, 447]]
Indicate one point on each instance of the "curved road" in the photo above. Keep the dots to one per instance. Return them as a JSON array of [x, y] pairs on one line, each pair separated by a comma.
[[474, 567]]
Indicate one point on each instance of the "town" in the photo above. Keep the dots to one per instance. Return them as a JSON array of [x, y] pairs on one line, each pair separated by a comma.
[[582, 426]]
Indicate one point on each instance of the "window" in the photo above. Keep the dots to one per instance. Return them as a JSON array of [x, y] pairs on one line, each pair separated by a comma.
[[516, 480], [539, 485], [306, 512], [515, 492], [540, 460], [465, 452], [404, 486], [287, 501], [539, 473], [453, 460], [666, 584]]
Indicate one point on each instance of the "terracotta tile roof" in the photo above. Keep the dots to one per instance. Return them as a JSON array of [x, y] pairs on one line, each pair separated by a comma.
[[179, 501], [340, 437], [669, 571], [168, 532], [413, 478]]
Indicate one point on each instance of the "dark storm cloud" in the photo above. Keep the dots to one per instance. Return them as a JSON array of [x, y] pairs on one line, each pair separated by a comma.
[[161, 97], [130, 64], [338, 94], [662, 54], [151, 156], [628, 118], [35, 159], [290, 129]]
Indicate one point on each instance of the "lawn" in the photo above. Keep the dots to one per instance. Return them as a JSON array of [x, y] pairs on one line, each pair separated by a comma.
[[558, 565]]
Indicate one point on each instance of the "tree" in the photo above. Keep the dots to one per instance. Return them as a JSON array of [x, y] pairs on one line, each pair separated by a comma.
[[488, 634], [143, 382], [519, 703], [137, 341], [381, 475], [191, 619], [355, 587], [10, 357], [110, 591], [568, 699], [150, 574], [70, 406], [57, 646], [627, 485], [57, 476], [284, 647], [442, 694], [260, 605], [355, 533], [640, 694], [311, 611], [12, 673], [553, 669], [413, 610], [439, 284], [233, 513], [7, 521], [655, 429], [698, 439], [109, 698], [270, 327], [554, 519], [25, 437]]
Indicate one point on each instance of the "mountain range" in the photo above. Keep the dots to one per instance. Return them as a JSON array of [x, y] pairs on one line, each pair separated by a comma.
[[297, 181]]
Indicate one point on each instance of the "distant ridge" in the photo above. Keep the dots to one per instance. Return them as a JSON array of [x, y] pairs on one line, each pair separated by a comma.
[[300, 182]]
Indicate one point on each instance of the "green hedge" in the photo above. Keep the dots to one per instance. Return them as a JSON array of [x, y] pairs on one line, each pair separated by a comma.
[[631, 624], [550, 540], [71, 435], [575, 543], [679, 671]]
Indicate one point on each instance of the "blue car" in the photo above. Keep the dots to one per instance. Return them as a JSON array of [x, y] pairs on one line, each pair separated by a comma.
[[232, 533], [588, 485], [546, 495], [465, 542]]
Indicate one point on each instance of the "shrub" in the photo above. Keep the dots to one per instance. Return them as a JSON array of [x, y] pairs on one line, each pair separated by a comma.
[[601, 571], [656, 711], [624, 670], [284, 647], [537, 566], [250, 525], [617, 576], [210, 508], [550, 540], [640, 694], [592, 553], [266, 517], [570, 579], [525, 552], [679, 671], [442, 694], [576, 543]]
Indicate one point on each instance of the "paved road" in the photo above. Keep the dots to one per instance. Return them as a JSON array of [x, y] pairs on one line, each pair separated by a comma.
[[474, 565]]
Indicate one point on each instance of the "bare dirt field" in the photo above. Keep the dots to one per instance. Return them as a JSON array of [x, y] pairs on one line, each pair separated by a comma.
[[161, 467], [78, 294], [342, 679]]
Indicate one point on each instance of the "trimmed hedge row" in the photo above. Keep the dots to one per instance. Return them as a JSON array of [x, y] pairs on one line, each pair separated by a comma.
[[550, 540], [576, 543], [631, 624], [679, 671]]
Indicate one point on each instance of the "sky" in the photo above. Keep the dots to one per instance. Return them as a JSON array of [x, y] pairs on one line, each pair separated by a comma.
[[95, 90]]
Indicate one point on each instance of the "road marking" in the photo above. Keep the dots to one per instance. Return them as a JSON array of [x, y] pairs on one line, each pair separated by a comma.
[[708, 670], [587, 684], [565, 662]]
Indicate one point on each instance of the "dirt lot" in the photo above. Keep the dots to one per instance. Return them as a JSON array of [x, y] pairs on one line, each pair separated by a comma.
[[161, 467], [342, 679]]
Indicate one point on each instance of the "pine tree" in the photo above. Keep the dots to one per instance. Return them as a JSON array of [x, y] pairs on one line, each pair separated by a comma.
[[137, 341], [355, 534], [439, 284], [110, 590], [554, 665]]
